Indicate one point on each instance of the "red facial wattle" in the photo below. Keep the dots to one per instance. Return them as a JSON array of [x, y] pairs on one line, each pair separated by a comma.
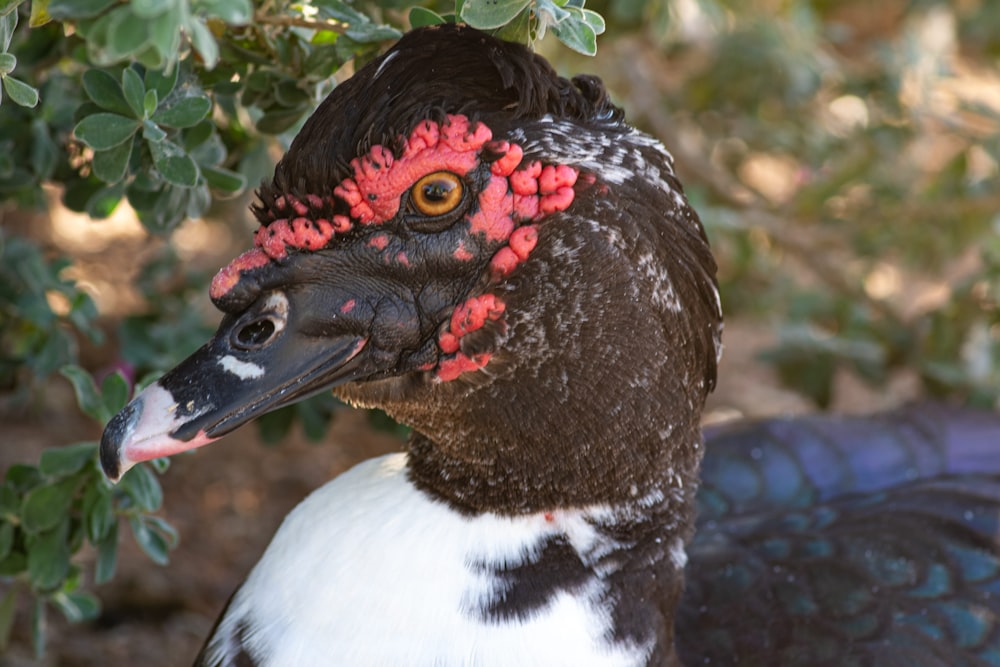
[[467, 317], [514, 197], [380, 178]]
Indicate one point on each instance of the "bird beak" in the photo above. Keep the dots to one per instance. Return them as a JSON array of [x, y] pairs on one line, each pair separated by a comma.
[[222, 386]]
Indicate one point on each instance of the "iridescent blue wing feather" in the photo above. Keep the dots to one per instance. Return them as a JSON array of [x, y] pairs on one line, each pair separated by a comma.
[[827, 541]]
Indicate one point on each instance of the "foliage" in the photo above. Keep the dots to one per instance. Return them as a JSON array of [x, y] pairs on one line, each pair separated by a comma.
[[842, 155], [170, 105], [50, 510], [35, 341]]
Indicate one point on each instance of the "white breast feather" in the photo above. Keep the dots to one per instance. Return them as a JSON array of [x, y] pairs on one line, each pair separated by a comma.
[[368, 570]]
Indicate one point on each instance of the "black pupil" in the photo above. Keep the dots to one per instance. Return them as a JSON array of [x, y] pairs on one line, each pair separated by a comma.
[[256, 332], [438, 191]]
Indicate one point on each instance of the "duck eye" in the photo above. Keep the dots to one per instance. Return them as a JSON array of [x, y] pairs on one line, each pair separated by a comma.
[[254, 335], [437, 194]]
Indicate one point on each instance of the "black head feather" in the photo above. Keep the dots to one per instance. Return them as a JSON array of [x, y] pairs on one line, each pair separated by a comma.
[[448, 69]]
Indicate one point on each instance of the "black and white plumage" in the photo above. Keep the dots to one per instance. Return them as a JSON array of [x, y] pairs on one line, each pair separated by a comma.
[[489, 253]]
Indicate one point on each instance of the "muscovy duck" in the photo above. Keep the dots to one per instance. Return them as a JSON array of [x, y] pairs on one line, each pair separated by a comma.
[[489, 253]]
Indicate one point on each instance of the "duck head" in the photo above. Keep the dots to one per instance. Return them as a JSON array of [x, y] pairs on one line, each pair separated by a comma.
[[486, 251]]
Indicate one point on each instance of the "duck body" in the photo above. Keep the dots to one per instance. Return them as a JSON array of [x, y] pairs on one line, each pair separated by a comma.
[[820, 541], [489, 253], [847, 541]]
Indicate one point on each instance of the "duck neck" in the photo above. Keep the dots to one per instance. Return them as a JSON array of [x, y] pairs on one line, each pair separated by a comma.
[[582, 462], [636, 516]]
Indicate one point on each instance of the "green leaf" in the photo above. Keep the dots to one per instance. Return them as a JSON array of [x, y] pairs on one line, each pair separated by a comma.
[[276, 122], [165, 39], [105, 91], [8, 22], [45, 506], [48, 558], [314, 415], [100, 205], [152, 542], [98, 512], [20, 92], [274, 426], [150, 9], [341, 11], [10, 503], [79, 191], [15, 564], [77, 9], [104, 130], [152, 132], [39, 15], [490, 14], [87, 396], [142, 486], [88, 605], [420, 17], [555, 13], [21, 476], [77, 606], [7, 63], [135, 91], [594, 20], [288, 93], [260, 80], [174, 164], [110, 165], [323, 61], [127, 33], [518, 30], [198, 135], [185, 112], [44, 152], [225, 180], [204, 43], [162, 210], [371, 33], [6, 539], [199, 198], [115, 391], [577, 35], [107, 555], [162, 82], [64, 461], [161, 526], [149, 103], [234, 12]]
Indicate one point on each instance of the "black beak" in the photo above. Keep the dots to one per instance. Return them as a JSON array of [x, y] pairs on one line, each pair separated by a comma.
[[254, 364]]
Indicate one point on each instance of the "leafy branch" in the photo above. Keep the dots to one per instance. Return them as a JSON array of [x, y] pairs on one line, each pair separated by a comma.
[[171, 106], [837, 261], [48, 512]]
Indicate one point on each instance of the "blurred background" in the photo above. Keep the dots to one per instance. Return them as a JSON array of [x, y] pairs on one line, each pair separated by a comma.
[[842, 155]]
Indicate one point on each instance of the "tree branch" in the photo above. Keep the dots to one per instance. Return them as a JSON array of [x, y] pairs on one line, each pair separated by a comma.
[[300, 22]]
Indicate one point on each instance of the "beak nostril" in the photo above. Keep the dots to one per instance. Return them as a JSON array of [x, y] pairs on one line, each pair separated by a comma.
[[254, 334]]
